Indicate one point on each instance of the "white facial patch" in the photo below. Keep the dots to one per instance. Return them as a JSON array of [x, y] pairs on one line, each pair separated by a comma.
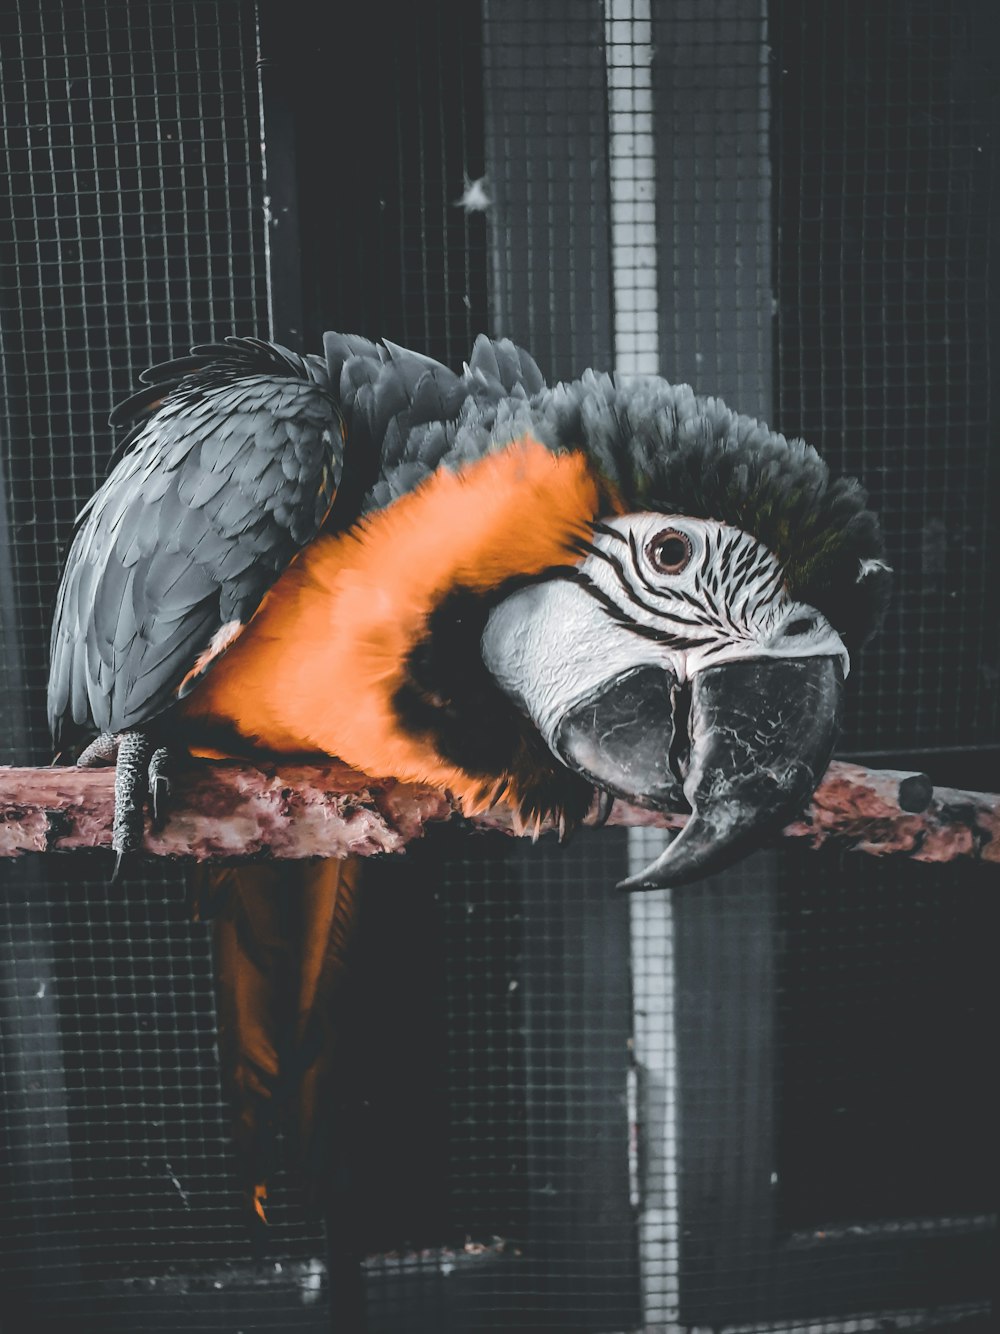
[[552, 644], [654, 589]]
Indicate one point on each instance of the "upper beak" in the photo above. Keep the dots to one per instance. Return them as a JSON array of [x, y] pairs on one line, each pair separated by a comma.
[[759, 736]]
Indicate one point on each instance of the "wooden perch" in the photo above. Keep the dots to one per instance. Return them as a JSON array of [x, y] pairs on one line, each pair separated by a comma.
[[234, 810]]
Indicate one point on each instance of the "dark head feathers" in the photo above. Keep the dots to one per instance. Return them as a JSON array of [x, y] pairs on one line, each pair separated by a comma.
[[664, 448], [420, 415]]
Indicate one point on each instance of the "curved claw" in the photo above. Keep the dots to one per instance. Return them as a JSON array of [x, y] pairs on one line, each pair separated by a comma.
[[603, 804], [159, 784]]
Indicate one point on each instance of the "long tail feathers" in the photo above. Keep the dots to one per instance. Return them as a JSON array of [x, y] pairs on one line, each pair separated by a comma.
[[282, 944]]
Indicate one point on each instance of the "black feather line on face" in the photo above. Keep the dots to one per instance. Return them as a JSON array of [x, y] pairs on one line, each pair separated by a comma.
[[727, 554], [727, 612], [633, 547], [584, 547], [742, 568], [707, 594], [606, 531], [691, 600], [700, 621], [622, 578], [767, 593], [676, 593], [575, 576]]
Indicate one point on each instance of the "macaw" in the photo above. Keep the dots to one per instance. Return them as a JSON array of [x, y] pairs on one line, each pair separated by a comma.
[[544, 597]]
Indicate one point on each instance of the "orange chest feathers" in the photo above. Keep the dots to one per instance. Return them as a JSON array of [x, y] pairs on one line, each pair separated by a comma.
[[321, 664]]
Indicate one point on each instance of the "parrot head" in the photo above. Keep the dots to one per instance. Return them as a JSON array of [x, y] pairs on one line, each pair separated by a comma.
[[695, 656], [670, 666]]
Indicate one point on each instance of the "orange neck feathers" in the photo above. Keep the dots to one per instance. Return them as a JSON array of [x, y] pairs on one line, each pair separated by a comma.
[[319, 665]]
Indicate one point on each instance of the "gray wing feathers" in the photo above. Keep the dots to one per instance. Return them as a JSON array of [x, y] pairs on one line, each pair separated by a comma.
[[219, 489]]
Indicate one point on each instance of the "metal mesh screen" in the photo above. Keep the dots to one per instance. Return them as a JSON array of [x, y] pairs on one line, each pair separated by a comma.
[[762, 1103], [816, 1103], [884, 203], [532, 1227]]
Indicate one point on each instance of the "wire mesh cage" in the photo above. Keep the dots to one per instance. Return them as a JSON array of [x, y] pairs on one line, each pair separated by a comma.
[[764, 1102]]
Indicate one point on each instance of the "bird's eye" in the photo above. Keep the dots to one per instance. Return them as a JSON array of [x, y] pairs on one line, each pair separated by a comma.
[[669, 551]]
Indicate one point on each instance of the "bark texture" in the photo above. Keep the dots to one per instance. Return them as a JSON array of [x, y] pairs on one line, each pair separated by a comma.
[[221, 811]]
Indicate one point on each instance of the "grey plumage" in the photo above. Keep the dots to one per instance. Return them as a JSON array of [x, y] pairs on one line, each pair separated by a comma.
[[230, 473]]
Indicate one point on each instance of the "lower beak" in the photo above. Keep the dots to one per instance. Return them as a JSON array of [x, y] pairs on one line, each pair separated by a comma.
[[760, 736]]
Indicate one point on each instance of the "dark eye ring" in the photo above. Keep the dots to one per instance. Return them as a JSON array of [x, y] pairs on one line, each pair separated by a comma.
[[669, 551]]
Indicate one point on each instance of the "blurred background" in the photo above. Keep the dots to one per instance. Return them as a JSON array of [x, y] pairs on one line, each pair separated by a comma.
[[765, 1102]]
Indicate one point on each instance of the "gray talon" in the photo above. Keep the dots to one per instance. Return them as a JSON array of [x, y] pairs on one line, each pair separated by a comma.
[[141, 771], [159, 784], [131, 788], [159, 791]]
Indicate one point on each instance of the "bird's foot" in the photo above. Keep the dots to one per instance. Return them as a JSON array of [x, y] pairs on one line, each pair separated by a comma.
[[142, 769]]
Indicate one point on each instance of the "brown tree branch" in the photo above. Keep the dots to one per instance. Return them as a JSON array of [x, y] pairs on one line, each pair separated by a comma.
[[304, 810], [235, 810]]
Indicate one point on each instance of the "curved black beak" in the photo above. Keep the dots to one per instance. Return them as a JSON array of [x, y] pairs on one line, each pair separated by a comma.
[[762, 733], [759, 736]]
